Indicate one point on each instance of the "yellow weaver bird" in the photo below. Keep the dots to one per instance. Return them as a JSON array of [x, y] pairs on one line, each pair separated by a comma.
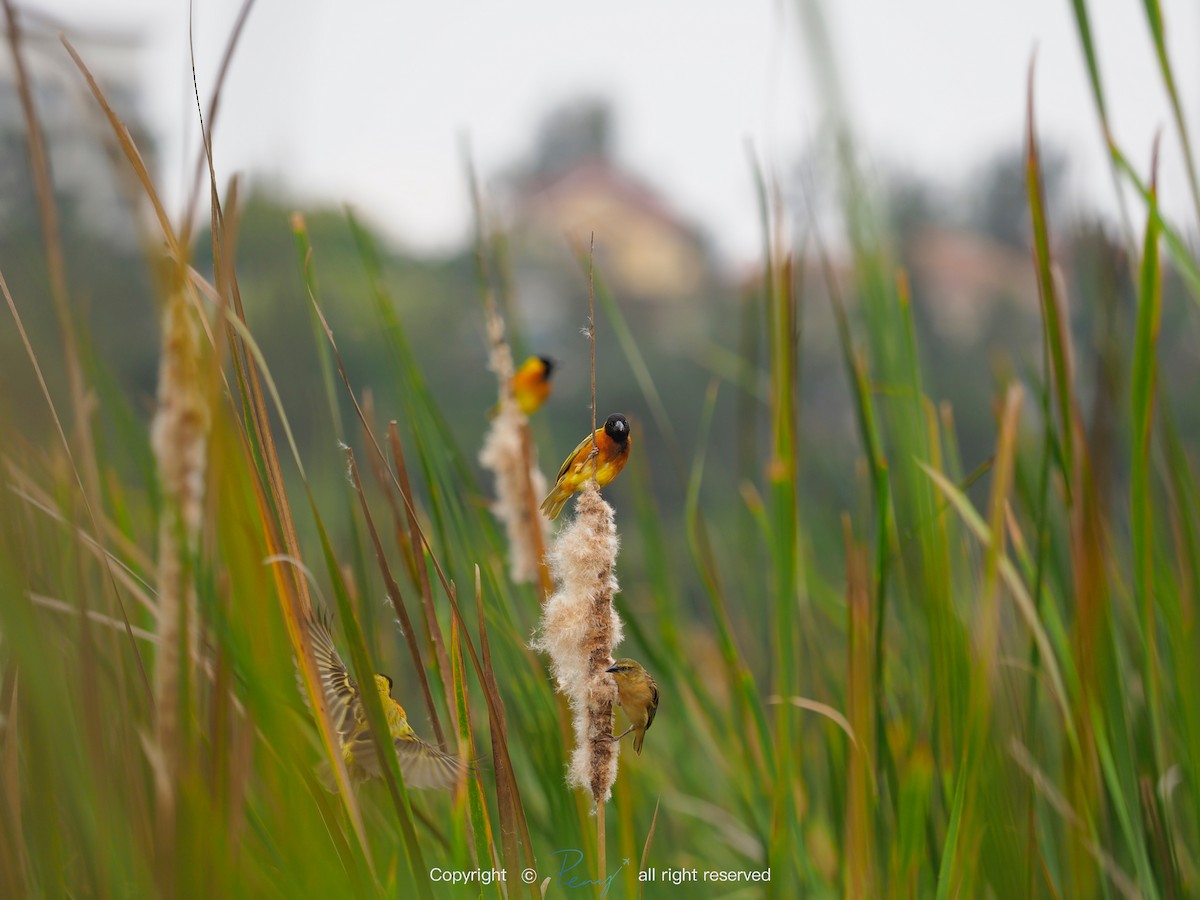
[[422, 765], [612, 450], [638, 696], [531, 383]]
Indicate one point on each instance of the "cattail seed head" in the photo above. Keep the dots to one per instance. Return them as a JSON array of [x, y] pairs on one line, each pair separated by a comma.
[[508, 453], [179, 438], [579, 630], [517, 490]]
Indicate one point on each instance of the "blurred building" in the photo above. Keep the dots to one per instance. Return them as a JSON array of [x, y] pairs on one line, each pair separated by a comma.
[[572, 187], [645, 250], [964, 276], [96, 190]]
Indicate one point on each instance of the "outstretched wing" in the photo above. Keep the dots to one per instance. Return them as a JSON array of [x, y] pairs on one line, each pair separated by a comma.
[[426, 767], [341, 693]]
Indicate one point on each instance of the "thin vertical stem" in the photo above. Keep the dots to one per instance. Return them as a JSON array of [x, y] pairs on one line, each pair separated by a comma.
[[592, 341], [600, 835], [600, 861]]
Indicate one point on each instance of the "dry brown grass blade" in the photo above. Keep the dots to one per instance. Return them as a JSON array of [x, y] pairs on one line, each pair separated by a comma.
[[821, 709], [56, 264], [241, 768], [280, 530], [130, 150], [180, 446], [508, 797], [646, 847], [481, 840], [1087, 520], [62, 606], [12, 844], [85, 460], [96, 616], [273, 507], [987, 631], [433, 631], [208, 123], [137, 587], [295, 605], [397, 600], [1054, 798], [271, 499], [384, 483], [859, 867], [492, 697], [1163, 853]]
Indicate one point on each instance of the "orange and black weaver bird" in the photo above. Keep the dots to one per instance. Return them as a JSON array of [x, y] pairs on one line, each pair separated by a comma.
[[638, 697], [531, 383], [612, 450], [422, 765]]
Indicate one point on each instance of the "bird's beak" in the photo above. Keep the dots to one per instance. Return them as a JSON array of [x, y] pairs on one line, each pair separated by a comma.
[[611, 668]]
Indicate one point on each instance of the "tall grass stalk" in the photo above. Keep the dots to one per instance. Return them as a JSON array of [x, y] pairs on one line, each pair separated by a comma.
[[977, 684]]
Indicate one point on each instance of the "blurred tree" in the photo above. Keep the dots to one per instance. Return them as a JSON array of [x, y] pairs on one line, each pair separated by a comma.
[[575, 130], [17, 206], [912, 202], [998, 203]]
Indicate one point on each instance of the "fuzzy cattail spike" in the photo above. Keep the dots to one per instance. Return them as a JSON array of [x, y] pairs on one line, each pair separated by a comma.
[[179, 437], [508, 452], [579, 630]]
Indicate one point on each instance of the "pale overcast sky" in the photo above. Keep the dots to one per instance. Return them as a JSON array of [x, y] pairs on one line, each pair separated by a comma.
[[365, 102]]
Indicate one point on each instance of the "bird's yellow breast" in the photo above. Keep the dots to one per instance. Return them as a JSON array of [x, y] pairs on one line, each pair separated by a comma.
[[637, 696], [608, 464]]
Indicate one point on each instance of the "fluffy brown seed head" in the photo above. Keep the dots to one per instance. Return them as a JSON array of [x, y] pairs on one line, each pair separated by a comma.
[[504, 456], [579, 630]]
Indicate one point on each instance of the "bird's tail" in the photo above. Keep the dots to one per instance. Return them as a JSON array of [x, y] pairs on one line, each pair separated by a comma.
[[554, 503]]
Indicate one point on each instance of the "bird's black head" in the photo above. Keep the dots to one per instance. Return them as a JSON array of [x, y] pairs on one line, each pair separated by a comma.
[[548, 364], [616, 427]]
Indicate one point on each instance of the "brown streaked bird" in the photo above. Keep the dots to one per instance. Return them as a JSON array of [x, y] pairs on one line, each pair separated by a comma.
[[612, 450], [422, 765], [531, 383], [638, 696]]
